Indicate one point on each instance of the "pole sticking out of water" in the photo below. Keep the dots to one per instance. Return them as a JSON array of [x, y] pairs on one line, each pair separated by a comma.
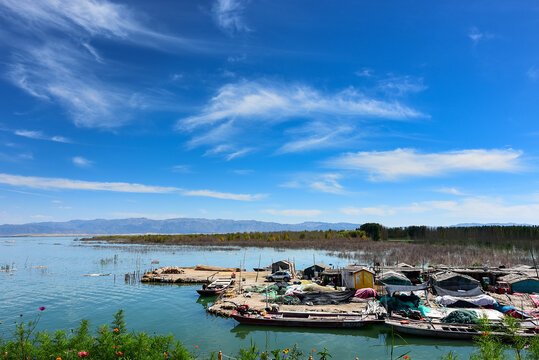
[[259, 258]]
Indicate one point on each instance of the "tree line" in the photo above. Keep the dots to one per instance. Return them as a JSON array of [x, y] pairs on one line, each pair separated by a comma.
[[507, 237]]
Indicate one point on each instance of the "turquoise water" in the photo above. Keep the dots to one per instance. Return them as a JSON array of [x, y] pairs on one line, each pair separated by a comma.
[[50, 272]]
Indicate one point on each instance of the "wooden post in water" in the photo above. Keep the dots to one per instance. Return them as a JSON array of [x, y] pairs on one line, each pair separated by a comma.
[[259, 258], [220, 355], [239, 283]]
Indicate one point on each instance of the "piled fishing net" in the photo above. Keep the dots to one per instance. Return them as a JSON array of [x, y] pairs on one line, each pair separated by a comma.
[[461, 317]]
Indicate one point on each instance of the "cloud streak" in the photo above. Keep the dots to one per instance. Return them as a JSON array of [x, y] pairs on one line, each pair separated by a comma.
[[402, 85], [82, 162], [399, 163], [123, 187], [225, 196], [478, 208], [320, 119], [278, 102], [54, 61], [326, 183], [228, 15], [38, 135]]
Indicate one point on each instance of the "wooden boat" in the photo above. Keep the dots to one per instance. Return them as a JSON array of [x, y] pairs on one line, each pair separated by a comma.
[[449, 331], [306, 319], [267, 268], [216, 287]]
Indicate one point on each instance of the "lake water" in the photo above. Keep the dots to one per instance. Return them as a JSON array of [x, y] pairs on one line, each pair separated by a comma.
[[50, 272]]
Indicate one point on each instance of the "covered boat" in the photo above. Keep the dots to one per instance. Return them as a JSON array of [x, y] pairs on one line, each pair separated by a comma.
[[306, 319], [216, 287]]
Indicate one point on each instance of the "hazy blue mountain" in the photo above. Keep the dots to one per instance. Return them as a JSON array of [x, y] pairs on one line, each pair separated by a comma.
[[169, 226]]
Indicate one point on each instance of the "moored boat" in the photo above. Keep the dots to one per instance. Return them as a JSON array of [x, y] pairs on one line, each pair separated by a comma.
[[216, 287], [306, 319], [449, 331]]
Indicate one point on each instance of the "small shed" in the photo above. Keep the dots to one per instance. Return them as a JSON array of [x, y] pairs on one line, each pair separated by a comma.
[[393, 278], [282, 265], [521, 283], [452, 281], [315, 270], [357, 278]]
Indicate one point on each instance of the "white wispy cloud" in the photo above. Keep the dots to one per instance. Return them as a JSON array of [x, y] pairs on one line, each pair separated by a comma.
[[320, 119], [181, 168], [477, 209], [365, 72], [87, 19], [238, 153], [327, 183], [401, 85], [450, 190], [395, 164], [278, 102], [53, 72], [476, 35], [81, 162], [317, 135], [532, 73], [34, 134], [221, 195], [228, 15], [69, 184], [53, 60], [229, 152], [294, 212]]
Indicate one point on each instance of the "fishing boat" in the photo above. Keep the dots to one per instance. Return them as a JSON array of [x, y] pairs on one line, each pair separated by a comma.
[[306, 319], [267, 268], [449, 331], [216, 287]]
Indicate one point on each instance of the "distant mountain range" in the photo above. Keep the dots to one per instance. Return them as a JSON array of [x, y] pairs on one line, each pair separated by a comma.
[[169, 226], [176, 226]]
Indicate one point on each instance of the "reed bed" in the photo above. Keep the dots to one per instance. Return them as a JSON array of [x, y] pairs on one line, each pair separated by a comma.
[[351, 245]]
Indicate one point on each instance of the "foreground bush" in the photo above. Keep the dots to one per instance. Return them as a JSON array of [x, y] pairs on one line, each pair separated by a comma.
[[113, 342], [110, 342]]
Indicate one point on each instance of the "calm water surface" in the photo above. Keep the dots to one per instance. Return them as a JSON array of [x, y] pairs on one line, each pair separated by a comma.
[[50, 272]]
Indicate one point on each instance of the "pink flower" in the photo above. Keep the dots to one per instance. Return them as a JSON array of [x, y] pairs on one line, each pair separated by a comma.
[[83, 353], [42, 308]]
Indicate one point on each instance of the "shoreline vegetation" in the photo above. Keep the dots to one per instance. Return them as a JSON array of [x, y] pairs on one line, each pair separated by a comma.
[[419, 245], [114, 341]]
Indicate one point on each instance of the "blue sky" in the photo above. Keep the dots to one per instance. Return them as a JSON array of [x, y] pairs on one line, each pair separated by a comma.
[[399, 112]]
